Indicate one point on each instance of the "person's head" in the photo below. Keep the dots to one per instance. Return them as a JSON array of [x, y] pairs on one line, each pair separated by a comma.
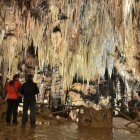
[[29, 77], [16, 76]]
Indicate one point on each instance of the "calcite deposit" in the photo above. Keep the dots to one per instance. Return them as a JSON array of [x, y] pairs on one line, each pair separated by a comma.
[[95, 118], [3, 107]]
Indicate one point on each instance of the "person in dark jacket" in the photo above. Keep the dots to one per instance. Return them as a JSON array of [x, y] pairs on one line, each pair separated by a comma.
[[29, 90], [12, 99]]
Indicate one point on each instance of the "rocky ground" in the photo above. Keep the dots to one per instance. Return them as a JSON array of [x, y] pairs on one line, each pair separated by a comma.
[[82, 53], [68, 130]]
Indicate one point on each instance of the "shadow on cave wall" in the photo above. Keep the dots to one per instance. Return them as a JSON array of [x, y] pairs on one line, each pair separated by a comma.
[[90, 97]]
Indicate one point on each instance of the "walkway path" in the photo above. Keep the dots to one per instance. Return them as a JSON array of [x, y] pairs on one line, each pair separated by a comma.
[[68, 130]]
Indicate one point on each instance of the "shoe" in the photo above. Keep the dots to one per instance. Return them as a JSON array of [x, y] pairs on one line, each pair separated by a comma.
[[7, 123], [33, 126], [14, 124], [23, 126]]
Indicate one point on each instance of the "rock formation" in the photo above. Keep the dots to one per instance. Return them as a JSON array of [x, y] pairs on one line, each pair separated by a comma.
[[3, 107], [95, 118]]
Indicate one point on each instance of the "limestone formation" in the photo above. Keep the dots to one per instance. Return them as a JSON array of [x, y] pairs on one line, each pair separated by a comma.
[[95, 118], [3, 107]]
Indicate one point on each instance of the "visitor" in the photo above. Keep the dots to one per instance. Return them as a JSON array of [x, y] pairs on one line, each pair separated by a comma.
[[13, 88], [29, 90]]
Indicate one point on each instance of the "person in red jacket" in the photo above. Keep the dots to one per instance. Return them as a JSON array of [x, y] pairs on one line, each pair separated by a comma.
[[12, 99]]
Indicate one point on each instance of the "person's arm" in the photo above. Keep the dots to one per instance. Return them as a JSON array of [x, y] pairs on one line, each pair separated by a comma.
[[36, 89], [19, 86], [22, 90]]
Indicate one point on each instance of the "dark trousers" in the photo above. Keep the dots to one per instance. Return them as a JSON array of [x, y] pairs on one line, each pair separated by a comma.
[[26, 105], [12, 105]]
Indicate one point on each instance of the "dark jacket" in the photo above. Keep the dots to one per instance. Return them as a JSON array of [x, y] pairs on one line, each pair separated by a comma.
[[29, 90]]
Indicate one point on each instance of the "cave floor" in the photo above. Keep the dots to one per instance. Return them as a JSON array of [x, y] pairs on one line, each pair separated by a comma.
[[67, 130]]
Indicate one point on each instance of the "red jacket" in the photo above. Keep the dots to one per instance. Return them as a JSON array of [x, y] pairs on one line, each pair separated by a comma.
[[11, 91]]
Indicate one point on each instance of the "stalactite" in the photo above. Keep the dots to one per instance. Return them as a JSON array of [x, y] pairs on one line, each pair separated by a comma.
[[2, 31], [14, 67], [118, 95]]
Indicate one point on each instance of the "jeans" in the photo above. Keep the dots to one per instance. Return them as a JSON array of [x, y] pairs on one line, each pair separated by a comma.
[[26, 105], [12, 105]]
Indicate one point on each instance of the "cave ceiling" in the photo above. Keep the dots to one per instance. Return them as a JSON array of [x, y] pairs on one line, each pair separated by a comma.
[[81, 37]]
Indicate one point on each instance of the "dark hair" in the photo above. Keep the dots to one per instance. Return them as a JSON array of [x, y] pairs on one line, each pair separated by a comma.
[[29, 77], [14, 79]]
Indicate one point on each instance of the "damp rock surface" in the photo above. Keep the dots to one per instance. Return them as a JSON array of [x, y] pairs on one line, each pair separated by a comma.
[[68, 130]]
